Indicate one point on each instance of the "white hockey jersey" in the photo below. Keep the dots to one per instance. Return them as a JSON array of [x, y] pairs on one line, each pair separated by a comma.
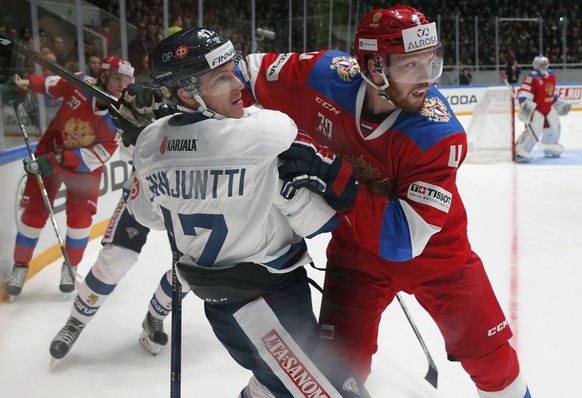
[[213, 183]]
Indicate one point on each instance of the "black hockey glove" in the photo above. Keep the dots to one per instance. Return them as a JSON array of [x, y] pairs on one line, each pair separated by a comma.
[[138, 107], [308, 164]]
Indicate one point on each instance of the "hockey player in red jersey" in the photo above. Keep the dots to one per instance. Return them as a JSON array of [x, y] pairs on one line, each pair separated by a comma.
[[406, 229], [80, 139], [539, 110]]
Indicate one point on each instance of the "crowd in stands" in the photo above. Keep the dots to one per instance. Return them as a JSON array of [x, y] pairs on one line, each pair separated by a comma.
[[232, 19]]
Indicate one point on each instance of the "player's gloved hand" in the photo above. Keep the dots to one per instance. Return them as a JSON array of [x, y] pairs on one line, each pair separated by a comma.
[[138, 107], [44, 165], [308, 164], [526, 110], [11, 92], [562, 108]]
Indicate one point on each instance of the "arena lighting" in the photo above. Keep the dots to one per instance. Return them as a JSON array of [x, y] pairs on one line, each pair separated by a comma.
[[265, 33]]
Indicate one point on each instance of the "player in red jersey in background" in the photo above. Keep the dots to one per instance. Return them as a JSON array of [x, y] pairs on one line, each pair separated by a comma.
[[539, 110], [80, 139]]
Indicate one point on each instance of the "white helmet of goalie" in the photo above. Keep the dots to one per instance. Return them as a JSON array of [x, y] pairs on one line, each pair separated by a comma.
[[541, 64]]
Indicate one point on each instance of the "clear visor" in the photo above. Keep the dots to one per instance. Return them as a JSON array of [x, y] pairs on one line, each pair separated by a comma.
[[417, 67], [227, 78], [222, 80]]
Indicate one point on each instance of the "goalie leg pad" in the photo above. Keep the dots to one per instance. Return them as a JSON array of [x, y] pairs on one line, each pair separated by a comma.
[[524, 145]]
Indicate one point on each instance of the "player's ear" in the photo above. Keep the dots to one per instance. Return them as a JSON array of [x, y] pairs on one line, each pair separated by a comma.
[[187, 99]]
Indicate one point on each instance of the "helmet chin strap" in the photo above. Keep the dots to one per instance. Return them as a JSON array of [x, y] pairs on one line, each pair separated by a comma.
[[203, 109], [381, 89]]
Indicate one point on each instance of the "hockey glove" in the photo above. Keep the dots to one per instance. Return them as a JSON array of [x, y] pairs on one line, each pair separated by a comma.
[[44, 165], [562, 108], [308, 164], [526, 110], [11, 93], [138, 107]]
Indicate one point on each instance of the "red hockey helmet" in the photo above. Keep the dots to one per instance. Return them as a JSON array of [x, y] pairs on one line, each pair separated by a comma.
[[398, 30], [114, 64]]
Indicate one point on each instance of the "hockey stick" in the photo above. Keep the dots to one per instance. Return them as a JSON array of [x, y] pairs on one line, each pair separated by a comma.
[[45, 197], [541, 145], [433, 374], [57, 69], [176, 344], [69, 76]]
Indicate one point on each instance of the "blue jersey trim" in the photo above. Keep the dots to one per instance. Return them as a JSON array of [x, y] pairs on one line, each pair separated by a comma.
[[395, 241], [293, 255], [328, 227]]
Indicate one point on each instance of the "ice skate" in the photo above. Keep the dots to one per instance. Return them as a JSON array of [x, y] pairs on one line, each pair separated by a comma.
[[16, 280], [65, 338], [67, 284], [153, 336]]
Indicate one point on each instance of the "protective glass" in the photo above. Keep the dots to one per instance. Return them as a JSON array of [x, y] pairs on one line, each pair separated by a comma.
[[416, 67]]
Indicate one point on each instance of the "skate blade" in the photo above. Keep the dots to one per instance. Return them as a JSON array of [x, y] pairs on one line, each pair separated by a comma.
[[54, 363], [149, 345]]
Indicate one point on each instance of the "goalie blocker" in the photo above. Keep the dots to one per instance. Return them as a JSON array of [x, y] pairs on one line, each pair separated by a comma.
[[228, 285]]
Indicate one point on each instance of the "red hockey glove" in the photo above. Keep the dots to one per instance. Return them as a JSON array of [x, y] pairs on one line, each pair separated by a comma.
[[308, 164], [44, 165]]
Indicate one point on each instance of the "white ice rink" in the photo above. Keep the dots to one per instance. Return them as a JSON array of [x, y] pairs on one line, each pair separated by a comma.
[[525, 221]]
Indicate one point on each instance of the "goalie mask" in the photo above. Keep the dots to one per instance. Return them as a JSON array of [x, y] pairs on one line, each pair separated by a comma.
[[182, 58], [541, 64], [403, 44]]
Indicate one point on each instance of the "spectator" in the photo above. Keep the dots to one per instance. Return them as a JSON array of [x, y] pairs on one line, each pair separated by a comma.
[[58, 47], [512, 70], [465, 77], [177, 25], [93, 64], [105, 31]]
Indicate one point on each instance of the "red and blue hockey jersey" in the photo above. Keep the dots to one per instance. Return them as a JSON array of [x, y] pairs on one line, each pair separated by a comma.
[[408, 215], [84, 134]]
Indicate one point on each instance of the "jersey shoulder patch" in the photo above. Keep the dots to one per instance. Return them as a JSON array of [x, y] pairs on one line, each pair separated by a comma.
[[337, 76], [433, 123]]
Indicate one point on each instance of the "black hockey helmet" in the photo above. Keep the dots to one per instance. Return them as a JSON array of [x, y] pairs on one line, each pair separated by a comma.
[[180, 59]]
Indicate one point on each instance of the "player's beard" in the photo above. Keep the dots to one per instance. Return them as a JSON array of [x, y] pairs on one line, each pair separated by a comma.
[[402, 96]]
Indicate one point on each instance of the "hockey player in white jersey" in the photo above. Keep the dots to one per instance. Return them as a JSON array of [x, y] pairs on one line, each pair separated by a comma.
[[208, 175]]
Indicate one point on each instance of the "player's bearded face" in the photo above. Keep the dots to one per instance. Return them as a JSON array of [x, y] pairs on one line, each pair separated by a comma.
[[409, 97]]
